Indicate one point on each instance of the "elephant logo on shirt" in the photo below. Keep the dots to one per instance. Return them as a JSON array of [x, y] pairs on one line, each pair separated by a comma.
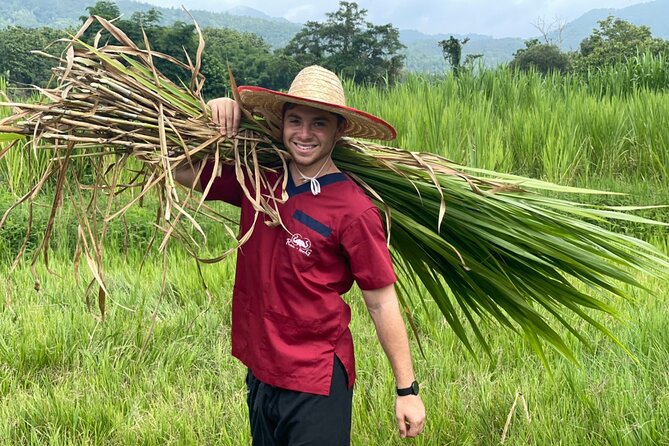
[[301, 244]]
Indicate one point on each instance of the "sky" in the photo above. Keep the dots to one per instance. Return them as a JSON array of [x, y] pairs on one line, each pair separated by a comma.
[[497, 18]]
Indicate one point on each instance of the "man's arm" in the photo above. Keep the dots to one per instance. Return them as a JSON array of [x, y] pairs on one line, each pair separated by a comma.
[[225, 112], [385, 311]]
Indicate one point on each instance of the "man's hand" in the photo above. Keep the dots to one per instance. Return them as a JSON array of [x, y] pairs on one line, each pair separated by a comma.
[[410, 414], [227, 114]]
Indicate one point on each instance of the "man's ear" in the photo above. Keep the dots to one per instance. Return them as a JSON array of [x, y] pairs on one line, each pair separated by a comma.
[[341, 129]]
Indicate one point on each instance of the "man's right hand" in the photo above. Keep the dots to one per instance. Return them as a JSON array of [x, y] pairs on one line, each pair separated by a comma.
[[227, 114]]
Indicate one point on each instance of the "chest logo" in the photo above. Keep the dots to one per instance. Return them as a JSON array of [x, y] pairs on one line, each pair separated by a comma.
[[301, 244]]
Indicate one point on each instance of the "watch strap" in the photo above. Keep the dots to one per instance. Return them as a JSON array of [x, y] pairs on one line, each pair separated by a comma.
[[411, 390]]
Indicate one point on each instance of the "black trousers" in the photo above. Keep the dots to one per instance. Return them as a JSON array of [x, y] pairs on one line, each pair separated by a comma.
[[281, 417]]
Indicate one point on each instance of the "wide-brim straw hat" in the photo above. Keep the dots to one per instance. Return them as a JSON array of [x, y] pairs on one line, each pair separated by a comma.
[[320, 88]]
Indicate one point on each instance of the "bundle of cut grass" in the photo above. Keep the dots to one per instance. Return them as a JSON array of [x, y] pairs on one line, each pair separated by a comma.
[[478, 244]]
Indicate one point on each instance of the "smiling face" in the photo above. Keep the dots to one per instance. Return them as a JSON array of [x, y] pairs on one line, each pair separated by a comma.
[[309, 135]]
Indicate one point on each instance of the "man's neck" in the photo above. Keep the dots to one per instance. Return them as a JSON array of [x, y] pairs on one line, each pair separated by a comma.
[[301, 175]]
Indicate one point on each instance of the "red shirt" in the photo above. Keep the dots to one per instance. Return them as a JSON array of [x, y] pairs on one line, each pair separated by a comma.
[[288, 317]]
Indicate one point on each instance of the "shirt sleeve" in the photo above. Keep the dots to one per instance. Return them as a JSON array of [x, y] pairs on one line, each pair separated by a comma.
[[364, 243], [224, 186]]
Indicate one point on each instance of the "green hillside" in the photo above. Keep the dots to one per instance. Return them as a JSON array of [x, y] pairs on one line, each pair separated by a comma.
[[38, 13]]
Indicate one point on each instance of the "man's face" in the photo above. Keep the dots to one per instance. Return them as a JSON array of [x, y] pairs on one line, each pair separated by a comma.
[[309, 135]]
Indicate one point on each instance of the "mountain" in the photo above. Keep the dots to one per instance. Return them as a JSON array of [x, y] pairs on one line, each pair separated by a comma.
[[245, 11], [654, 14], [423, 52], [275, 31], [37, 13]]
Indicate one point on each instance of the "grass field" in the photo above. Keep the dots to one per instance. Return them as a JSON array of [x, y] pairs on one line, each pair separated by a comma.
[[158, 370], [66, 379]]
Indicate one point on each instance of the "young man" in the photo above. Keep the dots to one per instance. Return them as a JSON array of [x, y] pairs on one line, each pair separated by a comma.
[[289, 322]]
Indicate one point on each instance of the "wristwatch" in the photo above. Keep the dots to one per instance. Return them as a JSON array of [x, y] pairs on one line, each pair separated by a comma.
[[411, 390]]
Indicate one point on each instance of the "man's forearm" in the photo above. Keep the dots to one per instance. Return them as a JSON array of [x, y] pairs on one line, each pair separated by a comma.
[[385, 312]]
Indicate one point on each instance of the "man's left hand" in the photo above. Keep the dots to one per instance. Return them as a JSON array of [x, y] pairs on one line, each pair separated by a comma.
[[410, 414]]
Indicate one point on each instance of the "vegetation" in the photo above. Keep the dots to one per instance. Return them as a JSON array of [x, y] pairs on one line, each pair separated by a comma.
[[563, 128], [249, 56], [614, 41], [42, 13], [18, 63], [349, 45], [125, 107], [370, 53], [68, 379], [422, 53], [452, 51], [158, 369], [543, 57]]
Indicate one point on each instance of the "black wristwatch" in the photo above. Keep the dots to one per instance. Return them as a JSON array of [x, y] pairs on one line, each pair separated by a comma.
[[411, 390]]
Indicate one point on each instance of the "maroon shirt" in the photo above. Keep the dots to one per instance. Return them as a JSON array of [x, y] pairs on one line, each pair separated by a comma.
[[288, 317]]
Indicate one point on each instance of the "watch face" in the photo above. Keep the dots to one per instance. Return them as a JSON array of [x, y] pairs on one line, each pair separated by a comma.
[[414, 387]]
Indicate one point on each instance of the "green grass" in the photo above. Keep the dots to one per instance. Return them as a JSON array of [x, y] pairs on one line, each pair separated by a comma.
[[555, 128], [68, 379]]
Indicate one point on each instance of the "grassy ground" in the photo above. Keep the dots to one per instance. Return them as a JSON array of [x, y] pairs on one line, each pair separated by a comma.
[[67, 379]]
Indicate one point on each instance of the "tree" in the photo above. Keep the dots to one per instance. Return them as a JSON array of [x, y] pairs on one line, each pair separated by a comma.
[[349, 45], [147, 19], [615, 41], [543, 57], [251, 61], [551, 32], [452, 50], [19, 64], [106, 9], [174, 40], [249, 56]]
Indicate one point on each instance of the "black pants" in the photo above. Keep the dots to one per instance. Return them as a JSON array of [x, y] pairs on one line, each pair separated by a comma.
[[281, 417]]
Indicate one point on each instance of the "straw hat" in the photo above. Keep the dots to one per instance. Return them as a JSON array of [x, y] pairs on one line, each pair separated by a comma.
[[316, 87]]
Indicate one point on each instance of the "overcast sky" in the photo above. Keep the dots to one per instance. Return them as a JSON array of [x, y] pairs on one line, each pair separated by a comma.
[[498, 18]]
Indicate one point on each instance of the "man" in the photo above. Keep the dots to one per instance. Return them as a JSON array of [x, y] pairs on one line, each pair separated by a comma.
[[289, 322]]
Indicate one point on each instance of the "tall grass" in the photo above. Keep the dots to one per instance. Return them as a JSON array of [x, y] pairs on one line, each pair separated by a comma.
[[18, 168], [644, 71], [563, 128]]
